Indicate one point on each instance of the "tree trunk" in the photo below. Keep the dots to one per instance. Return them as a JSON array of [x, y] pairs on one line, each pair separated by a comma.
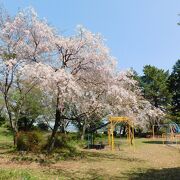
[[15, 131], [56, 124], [13, 124], [62, 129], [124, 131], [15, 134], [120, 130], [83, 131], [63, 126], [156, 101], [131, 135], [54, 131]]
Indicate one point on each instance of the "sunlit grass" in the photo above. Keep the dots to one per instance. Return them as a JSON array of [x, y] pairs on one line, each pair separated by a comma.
[[147, 159]]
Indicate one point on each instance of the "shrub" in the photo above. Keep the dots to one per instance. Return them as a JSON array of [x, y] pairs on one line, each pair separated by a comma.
[[63, 145], [22, 142], [73, 136], [34, 140], [61, 141], [29, 141]]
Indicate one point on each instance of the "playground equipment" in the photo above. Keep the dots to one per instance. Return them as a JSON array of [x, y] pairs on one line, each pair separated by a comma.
[[91, 137], [175, 128], [112, 121], [172, 132], [130, 133], [171, 128]]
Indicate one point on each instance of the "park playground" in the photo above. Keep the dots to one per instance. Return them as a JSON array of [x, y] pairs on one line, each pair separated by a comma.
[[75, 105], [145, 158]]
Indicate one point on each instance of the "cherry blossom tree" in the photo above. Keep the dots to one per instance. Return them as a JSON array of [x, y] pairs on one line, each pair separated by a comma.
[[23, 39], [72, 78], [76, 73]]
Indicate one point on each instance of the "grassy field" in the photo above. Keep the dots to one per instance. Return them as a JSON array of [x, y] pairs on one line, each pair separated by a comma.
[[148, 160]]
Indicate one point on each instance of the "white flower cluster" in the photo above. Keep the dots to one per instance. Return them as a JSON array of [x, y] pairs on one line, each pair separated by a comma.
[[78, 69]]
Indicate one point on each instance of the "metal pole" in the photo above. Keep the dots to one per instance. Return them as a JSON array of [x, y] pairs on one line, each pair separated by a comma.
[[153, 131], [112, 145], [129, 134], [109, 137]]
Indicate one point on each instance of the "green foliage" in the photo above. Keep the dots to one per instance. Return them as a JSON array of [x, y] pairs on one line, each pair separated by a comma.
[[61, 141], [2, 116], [174, 87], [163, 129], [26, 106], [2, 120], [25, 124], [9, 56], [29, 141], [5, 134], [135, 75], [154, 83], [64, 145], [32, 105]]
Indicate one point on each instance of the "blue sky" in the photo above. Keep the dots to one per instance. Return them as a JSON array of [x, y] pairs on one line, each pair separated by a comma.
[[138, 32]]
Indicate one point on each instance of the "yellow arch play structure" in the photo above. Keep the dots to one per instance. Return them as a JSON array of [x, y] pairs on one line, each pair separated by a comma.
[[112, 122]]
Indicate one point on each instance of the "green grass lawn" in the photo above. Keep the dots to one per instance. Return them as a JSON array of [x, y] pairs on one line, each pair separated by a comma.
[[149, 159]]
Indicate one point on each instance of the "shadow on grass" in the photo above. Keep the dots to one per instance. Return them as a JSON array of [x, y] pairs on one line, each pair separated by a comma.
[[97, 156], [153, 174], [160, 142], [6, 146], [153, 142], [91, 174], [96, 174], [141, 174]]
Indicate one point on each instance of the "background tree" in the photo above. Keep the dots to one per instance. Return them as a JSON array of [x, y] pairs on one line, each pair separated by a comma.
[[32, 108], [23, 39], [154, 85], [174, 88]]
